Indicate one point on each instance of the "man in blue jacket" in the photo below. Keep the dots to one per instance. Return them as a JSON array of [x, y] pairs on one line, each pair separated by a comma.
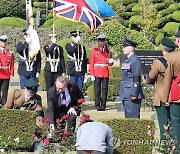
[[130, 88]]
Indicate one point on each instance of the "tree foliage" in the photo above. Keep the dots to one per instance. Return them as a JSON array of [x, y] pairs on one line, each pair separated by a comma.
[[12, 8]]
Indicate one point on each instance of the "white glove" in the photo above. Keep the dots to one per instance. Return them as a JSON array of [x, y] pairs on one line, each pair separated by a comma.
[[11, 77], [52, 128], [28, 39], [111, 60], [63, 74], [37, 75], [92, 77], [53, 39], [72, 111]]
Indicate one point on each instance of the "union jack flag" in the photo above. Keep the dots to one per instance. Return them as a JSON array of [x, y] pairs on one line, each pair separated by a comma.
[[77, 10]]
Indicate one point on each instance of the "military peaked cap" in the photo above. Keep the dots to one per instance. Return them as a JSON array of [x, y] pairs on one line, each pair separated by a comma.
[[128, 42], [101, 36], [3, 38]]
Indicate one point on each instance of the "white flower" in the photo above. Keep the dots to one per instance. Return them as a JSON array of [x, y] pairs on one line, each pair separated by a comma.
[[2, 150], [17, 140]]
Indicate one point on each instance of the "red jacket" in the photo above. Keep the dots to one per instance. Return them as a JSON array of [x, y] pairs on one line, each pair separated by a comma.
[[99, 63], [6, 64]]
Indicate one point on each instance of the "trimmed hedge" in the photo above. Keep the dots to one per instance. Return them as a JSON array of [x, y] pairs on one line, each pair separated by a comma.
[[131, 135], [170, 28], [42, 5], [17, 124], [176, 16], [12, 22]]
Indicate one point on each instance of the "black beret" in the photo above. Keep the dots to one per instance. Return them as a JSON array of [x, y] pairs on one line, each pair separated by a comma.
[[31, 83], [74, 33], [128, 42], [168, 42]]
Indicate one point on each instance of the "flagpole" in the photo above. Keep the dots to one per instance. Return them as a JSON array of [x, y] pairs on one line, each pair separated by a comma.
[[78, 43]]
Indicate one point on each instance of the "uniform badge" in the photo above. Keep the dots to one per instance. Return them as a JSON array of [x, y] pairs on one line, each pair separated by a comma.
[[125, 66], [135, 85]]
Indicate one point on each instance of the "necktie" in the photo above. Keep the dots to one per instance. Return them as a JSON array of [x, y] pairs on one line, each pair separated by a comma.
[[63, 99]]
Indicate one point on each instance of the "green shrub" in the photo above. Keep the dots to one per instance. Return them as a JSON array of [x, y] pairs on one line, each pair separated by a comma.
[[136, 8], [176, 16], [131, 135], [159, 38], [42, 80], [12, 8], [17, 124], [42, 5], [90, 92], [12, 22], [166, 11], [130, 6], [59, 22], [170, 28], [135, 20], [125, 2], [166, 19], [160, 6]]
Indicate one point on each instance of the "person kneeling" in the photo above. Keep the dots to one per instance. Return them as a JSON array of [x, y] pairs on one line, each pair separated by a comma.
[[27, 99]]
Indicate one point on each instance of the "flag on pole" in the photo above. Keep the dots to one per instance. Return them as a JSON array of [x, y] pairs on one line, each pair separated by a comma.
[[77, 10], [101, 7], [34, 45]]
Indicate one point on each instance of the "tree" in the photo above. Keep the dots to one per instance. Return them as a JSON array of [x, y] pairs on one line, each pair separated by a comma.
[[13, 8], [150, 19]]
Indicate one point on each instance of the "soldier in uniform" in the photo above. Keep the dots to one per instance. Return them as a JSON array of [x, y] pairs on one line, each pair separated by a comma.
[[156, 75], [27, 99], [28, 68], [171, 93], [77, 64], [6, 69], [130, 87], [177, 35], [100, 60], [55, 65]]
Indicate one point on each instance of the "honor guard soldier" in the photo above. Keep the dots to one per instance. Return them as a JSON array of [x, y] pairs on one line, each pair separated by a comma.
[[55, 65], [171, 94], [6, 69], [77, 64], [156, 76], [177, 35], [27, 99], [100, 60], [130, 87], [28, 68]]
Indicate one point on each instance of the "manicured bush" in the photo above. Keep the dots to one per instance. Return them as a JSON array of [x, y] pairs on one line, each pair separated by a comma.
[[125, 2], [171, 28], [130, 6], [176, 16], [12, 8], [42, 5], [159, 38], [135, 20], [17, 127], [132, 135], [12, 22], [160, 6], [136, 8], [166, 19]]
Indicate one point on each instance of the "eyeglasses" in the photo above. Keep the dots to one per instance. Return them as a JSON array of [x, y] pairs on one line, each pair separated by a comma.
[[102, 40]]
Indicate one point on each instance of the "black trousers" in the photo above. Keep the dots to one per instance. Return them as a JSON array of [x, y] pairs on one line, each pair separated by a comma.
[[50, 78], [101, 84], [4, 86]]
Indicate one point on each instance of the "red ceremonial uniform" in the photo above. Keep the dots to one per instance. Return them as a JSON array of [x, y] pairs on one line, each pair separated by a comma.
[[6, 64], [99, 63]]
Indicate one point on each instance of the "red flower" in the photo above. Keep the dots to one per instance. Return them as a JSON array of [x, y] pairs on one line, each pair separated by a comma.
[[46, 141], [65, 134], [58, 121], [65, 117], [39, 140], [46, 121], [80, 101], [84, 118]]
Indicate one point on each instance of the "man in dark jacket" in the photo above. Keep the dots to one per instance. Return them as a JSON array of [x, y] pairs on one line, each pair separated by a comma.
[[55, 65], [29, 68], [63, 100], [77, 64]]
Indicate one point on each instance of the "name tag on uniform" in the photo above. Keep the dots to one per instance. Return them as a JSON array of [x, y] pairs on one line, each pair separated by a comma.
[[125, 66]]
